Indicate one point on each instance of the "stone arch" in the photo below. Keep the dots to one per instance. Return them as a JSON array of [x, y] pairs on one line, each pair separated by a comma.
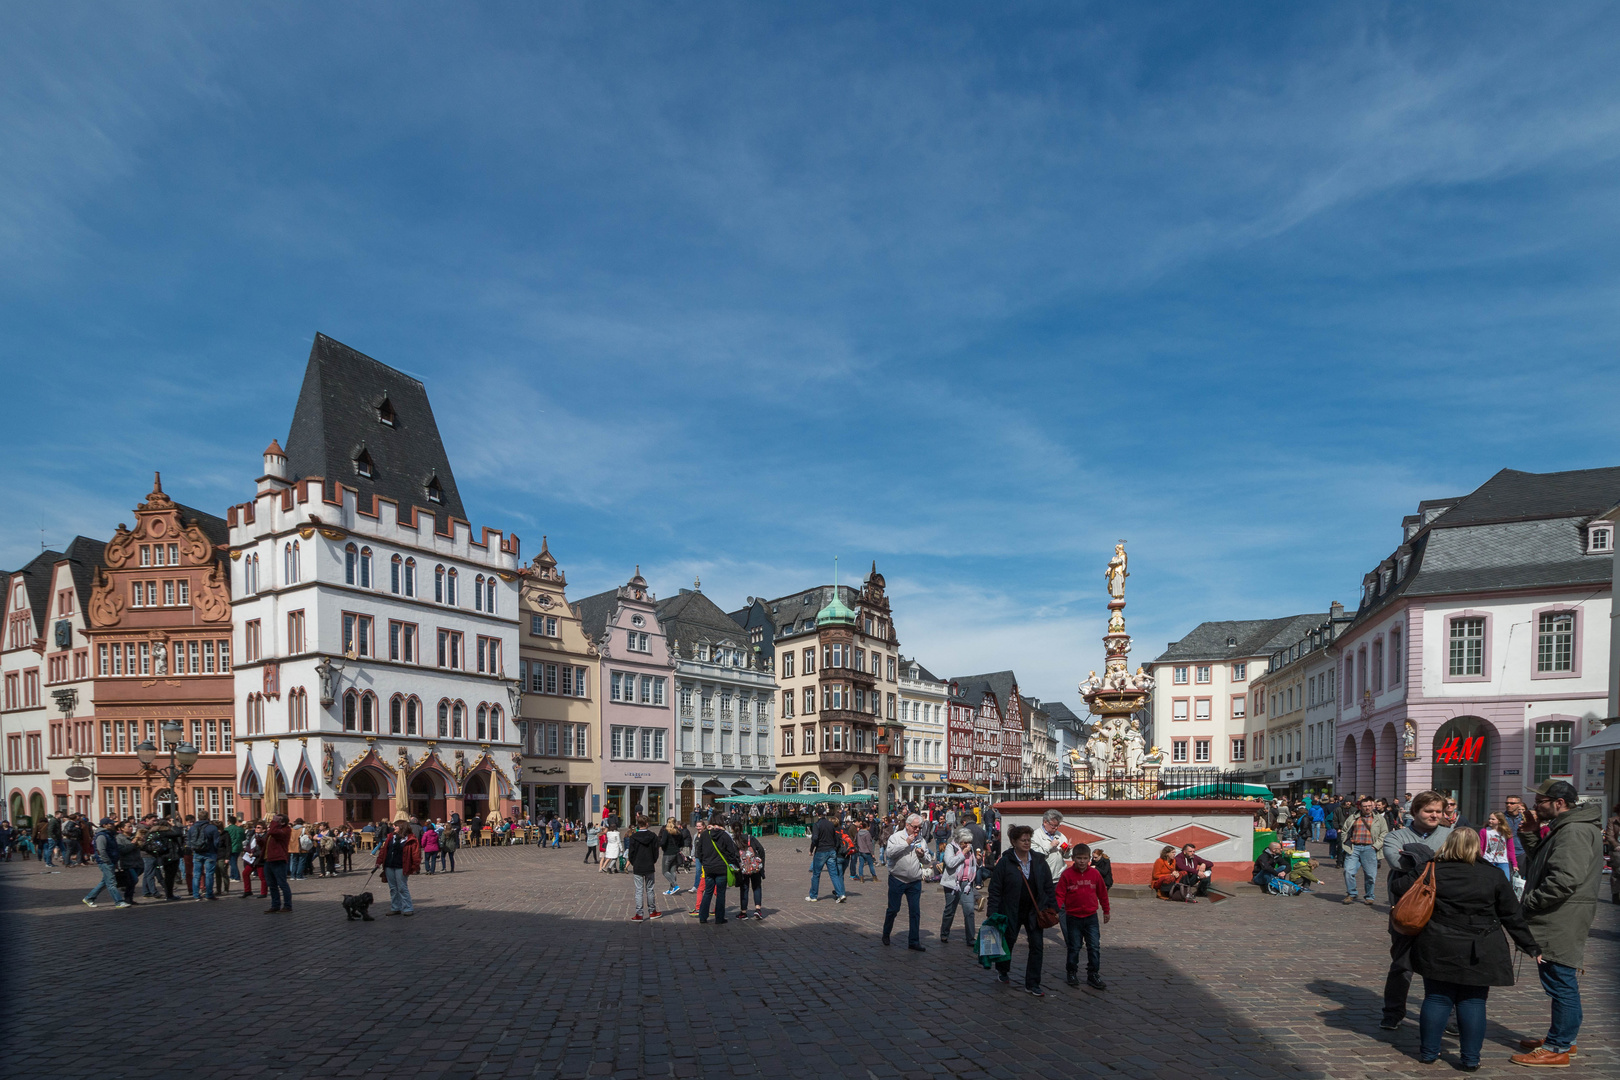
[[1347, 766], [1464, 752], [1389, 768]]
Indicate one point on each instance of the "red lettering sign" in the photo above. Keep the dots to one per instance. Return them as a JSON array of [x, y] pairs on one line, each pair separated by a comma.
[[1459, 751]]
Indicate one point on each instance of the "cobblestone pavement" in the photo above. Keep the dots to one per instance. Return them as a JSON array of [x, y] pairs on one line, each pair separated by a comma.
[[524, 964]]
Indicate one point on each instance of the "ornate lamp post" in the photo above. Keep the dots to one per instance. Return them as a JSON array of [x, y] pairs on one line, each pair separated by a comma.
[[182, 756]]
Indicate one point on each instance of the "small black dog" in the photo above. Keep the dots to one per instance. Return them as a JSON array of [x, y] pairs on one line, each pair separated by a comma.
[[358, 907]]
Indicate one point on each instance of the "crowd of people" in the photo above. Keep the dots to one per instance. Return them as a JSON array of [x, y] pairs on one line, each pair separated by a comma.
[[1526, 877]]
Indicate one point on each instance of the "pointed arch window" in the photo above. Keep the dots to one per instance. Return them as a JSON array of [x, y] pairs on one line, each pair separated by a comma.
[[478, 593], [396, 715], [396, 574], [450, 580], [438, 584], [494, 723], [413, 715], [289, 558], [365, 568], [351, 564], [351, 711], [444, 719], [410, 577], [458, 713], [483, 722], [489, 594]]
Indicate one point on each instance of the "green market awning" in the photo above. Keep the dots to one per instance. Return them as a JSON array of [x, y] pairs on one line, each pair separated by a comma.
[[805, 799], [1220, 791]]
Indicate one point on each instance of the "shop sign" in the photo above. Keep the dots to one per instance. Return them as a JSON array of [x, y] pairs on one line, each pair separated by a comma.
[[1459, 751]]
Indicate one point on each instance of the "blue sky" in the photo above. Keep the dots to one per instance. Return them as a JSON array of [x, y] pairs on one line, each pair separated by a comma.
[[727, 290]]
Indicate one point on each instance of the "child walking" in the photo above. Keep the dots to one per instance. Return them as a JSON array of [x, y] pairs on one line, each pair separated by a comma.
[[1081, 894]]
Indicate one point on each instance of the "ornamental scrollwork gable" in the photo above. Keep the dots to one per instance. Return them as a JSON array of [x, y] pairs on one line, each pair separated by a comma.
[[106, 606], [213, 597]]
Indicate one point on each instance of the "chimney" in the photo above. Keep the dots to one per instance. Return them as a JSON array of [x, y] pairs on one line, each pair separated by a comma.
[[1336, 611]]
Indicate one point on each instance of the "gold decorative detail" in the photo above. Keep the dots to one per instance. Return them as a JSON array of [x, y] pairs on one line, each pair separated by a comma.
[[235, 554], [504, 576], [306, 531], [333, 534]]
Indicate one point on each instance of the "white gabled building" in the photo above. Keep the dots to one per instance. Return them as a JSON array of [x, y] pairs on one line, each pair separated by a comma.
[[375, 630], [924, 705]]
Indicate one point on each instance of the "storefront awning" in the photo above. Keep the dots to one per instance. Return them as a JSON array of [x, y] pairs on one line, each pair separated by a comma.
[[1605, 740], [1216, 791]]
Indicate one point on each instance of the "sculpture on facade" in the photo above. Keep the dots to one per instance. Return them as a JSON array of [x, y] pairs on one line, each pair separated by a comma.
[[160, 658]]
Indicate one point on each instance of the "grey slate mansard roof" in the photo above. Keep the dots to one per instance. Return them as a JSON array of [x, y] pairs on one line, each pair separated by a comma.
[[594, 612], [689, 616], [1254, 637], [1516, 531], [337, 419]]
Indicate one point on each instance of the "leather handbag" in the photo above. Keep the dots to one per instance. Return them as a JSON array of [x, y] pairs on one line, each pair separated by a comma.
[[1045, 918], [1413, 911]]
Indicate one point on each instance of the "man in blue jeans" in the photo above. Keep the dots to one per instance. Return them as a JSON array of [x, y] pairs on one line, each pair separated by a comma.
[[1318, 821], [1560, 901], [1363, 839], [906, 850], [824, 853], [204, 842], [106, 851]]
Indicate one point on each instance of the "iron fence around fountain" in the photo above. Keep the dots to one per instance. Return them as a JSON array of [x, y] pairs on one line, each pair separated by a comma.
[[1148, 783]]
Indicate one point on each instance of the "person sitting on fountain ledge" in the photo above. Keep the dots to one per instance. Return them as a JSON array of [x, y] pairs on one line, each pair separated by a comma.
[[1195, 870]]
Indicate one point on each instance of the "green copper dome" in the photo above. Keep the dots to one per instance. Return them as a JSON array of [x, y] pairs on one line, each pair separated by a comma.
[[836, 613]]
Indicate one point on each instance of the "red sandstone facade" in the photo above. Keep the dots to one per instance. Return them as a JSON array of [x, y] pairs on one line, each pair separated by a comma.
[[160, 649]]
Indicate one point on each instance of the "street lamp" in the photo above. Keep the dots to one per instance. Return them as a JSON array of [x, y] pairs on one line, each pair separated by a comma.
[[182, 756]]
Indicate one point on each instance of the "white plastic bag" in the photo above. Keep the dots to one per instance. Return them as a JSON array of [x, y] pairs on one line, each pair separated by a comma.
[[1518, 885]]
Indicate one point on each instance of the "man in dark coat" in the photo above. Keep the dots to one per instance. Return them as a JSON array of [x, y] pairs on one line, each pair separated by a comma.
[[642, 853], [1560, 901], [1021, 886], [715, 851]]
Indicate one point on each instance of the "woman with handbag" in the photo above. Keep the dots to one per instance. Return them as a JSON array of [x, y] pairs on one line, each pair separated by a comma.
[[1460, 950], [1023, 893]]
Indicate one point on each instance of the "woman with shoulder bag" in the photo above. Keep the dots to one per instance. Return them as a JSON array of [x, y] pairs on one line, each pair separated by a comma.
[[1461, 952], [961, 874]]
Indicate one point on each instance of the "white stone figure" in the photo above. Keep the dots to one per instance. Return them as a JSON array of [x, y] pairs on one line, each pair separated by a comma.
[[160, 658], [1117, 573], [1099, 747], [1135, 747]]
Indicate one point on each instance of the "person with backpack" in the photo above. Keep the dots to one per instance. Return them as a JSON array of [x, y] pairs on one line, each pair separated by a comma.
[[716, 854], [750, 871], [105, 847], [941, 836], [863, 852], [236, 837], [641, 852], [53, 837], [72, 841], [449, 841], [203, 838]]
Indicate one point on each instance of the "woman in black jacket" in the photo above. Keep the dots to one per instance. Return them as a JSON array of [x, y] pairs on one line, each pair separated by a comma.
[[748, 849], [1461, 954], [1020, 886]]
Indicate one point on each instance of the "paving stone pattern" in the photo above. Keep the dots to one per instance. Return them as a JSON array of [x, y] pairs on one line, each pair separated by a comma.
[[524, 964]]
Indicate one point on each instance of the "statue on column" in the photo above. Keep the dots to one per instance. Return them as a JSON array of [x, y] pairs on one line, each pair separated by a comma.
[[1117, 573]]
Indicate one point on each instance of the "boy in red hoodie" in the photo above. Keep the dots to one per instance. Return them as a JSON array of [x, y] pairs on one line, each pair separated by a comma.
[[1081, 892]]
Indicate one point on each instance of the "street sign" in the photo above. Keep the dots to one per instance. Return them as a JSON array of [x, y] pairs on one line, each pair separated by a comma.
[[78, 772]]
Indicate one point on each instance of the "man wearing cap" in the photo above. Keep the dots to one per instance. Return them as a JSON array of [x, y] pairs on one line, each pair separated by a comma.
[[1560, 901], [106, 849]]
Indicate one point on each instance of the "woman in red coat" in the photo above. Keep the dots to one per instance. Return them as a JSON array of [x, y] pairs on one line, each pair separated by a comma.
[[399, 856]]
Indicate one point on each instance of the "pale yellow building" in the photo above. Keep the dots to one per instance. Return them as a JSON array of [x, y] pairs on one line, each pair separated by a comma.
[[562, 706]]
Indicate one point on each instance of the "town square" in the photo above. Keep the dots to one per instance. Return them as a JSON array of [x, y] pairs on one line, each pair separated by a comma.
[[830, 541]]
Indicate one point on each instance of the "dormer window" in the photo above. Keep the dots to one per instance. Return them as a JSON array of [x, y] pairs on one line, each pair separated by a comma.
[[1600, 539], [363, 465], [435, 492], [385, 411]]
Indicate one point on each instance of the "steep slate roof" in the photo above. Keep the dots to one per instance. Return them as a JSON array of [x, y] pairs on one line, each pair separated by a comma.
[[1511, 495], [84, 555], [1517, 531], [595, 611], [1253, 637], [999, 683], [689, 616], [922, 672], [793, 609], [1062, 715], [218, 533], [336, 419]]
